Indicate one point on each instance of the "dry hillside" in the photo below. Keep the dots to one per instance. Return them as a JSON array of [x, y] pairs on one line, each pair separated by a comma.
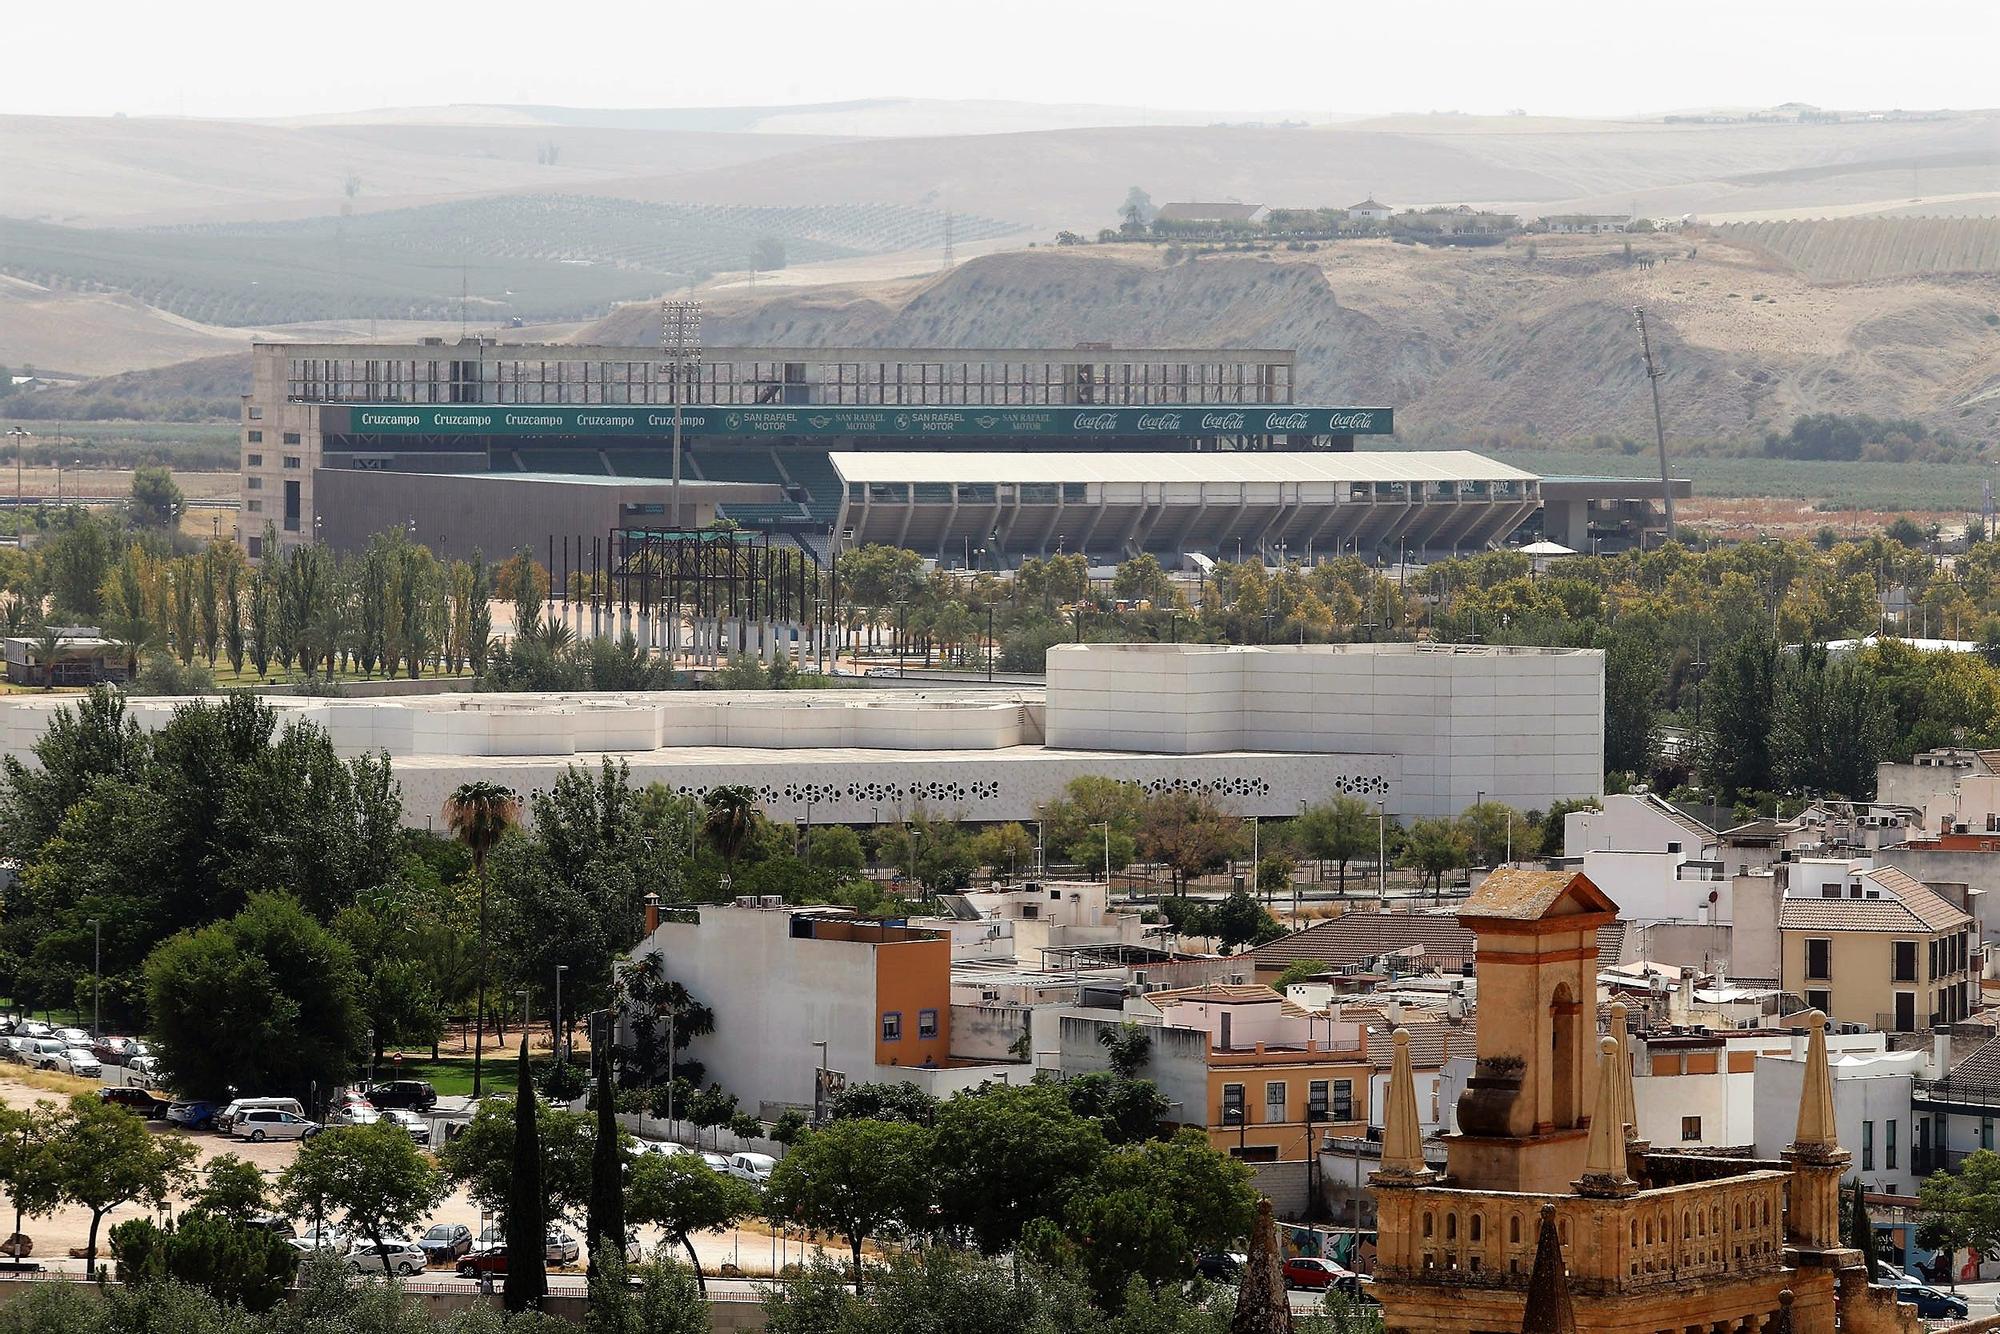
[[1480, 346]]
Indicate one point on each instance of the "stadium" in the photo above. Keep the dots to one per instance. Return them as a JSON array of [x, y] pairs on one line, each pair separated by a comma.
[[972, 457]]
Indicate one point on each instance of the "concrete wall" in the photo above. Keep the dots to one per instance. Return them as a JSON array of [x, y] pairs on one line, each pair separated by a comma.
[[1878, 1091], [987, 1032], [1524, 726], [1627, 823], [1974, 870]]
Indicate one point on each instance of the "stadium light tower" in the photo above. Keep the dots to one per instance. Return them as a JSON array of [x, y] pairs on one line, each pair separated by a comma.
[[680, 349], [1653, 374]]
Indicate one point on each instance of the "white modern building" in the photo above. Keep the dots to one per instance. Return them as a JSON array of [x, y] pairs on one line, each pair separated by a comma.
[[1421, 729], [1871, 1108]]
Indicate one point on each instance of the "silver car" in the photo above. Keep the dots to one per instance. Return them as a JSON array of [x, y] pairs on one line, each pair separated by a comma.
[[420, 1129], [262, 1123], [397, 1256]]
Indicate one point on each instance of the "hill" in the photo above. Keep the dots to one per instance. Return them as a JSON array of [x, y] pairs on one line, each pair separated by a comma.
[[1484, 347], [1860, 249]]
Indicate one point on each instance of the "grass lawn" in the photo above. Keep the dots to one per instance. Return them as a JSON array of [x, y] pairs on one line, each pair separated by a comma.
[[452, 1076]]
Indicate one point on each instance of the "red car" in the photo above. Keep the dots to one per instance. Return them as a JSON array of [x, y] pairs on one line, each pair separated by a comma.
[[1306, 1271]]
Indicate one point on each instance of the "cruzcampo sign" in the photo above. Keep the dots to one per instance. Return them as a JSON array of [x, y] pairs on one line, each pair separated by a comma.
[[651, 423]]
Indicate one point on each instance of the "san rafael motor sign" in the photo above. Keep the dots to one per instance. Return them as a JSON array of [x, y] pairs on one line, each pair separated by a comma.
[[914, 423]]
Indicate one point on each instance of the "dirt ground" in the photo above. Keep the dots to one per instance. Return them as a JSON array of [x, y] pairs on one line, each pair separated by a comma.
[[1735, 519]]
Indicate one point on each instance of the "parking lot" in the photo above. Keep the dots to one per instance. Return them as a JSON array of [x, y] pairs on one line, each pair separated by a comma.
[[754, 1249]]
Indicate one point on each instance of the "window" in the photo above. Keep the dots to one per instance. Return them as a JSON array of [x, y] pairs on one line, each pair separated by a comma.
[[1232, 1104], [1819, 960], [1690, 1129], [256, 437], [1906, 1012], [1316, 1104], [256, 414], [927, 1025], [1985, 1132], [892, 1026], [1889, 1146], [256, 507], [291, 460], [1274, 1101], [292, 507], [1868, 1146], [291, 437], [254, 546], [253, 461], [1906, 960], [1343, 1100], [254, 483], [1821, 1001]]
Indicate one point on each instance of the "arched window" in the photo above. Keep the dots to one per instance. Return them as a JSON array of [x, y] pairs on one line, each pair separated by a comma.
[[1563, 1087], [1429, 1223], [1451, 1227], [1514, 1229], [1477, 1227]]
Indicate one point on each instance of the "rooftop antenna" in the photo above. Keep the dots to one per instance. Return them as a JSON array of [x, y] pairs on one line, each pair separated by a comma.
[[1653, 374]]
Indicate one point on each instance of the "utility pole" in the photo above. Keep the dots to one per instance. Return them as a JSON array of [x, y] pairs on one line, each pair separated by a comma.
[[1653, 374], [680, 348]]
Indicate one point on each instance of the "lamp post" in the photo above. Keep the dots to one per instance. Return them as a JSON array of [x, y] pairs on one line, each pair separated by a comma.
[[96, 971], [371, 1056], [556, 1031], [1238, 1117], [1381, 857], [819, 1084], [1107, 856], [20, 438]]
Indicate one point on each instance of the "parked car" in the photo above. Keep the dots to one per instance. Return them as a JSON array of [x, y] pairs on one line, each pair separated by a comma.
[[355, 1114], [35, 1028], [1221, 1266], [74, 1037], [16, 1048], [329, 1241], [445, 1242], [271, 1223], [192, 1114], [225, 1120], [420, 1129], [116, 1050], [1307, 1271], [140, 1102], [416, 1095], [146, 1067], [562, 1249], [262, 1123], [715, 1162], [754, 1168], [1932, 1304], [76, 1061], [396, 1256]]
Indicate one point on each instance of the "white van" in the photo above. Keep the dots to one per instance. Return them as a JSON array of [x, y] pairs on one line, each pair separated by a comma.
[[754, 1168], [226, 1119]]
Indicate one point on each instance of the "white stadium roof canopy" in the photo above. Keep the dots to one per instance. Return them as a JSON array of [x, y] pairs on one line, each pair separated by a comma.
[[1448, 465]]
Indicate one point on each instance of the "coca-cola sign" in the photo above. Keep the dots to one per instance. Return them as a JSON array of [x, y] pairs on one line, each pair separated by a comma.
[[1285, 421], [1095, 421], [1159, 421], [1341, 423], [1221, 421]]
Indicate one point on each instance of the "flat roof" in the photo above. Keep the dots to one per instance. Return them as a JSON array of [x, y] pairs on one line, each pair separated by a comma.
[[1612, 488], [693, 485], [1220, 466]]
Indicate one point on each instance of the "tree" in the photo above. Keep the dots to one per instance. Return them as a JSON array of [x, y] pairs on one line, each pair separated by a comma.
[[835, 847], [106, 1158], [606, 1223], [902, 1101], [730, 820], [1240, 920], [1127, 1110], [526, 1225], [1338, 831], [1299, 970], [1008, 1156], [1739, 697], [1137, 211], [1861, 1232], [232, 1188], [264, 1001], [1828, 725], [479, 814], [1189, 833], [481, 1157], [683, 1197], [370, 1177], [768, 254], [29, 1171], [232, 1262], [1149, 1210], [1128, 1046], [853, 1178], [1435, 847], [48, 653], [1633, 676], [1961, 1210]]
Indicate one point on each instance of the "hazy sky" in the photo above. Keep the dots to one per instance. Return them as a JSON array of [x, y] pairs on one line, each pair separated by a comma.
[[228, 58]]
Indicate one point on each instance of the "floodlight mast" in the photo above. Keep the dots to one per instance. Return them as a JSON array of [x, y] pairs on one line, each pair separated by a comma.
[[1653, 374], [680, 347]]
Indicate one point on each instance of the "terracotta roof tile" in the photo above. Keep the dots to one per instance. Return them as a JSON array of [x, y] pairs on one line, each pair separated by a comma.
[[1357, 937], [1430, 1044], [1907, 905], [1514, 895]]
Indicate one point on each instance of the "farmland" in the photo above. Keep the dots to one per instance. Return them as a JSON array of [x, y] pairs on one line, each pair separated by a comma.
[[1846, 250], [523, 256]]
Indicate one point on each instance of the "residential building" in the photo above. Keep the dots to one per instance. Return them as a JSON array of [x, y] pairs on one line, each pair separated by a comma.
[[1699, 1087], [1874, 948], [1038, 923], [1369, 210], [1586, 224], [798, 990], [1395, 941], [1872, 1109], [1956, 1106], [83, 657], [1218, 213]]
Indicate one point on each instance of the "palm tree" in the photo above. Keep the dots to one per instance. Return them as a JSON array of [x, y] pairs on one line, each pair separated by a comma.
[[48, 647], [479, 816], [732, 816]]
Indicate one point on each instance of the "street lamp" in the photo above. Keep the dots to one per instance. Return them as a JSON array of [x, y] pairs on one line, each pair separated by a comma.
[[1237, 1117], [20, 438], [96, 971], [1107, 857], [556, 1033], [371, 1058]]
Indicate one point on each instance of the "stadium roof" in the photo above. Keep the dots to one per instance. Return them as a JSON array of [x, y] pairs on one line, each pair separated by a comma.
[[1229, 466]]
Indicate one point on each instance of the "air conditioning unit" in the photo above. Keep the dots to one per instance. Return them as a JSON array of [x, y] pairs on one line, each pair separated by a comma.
[[748, 901], [771, 901]]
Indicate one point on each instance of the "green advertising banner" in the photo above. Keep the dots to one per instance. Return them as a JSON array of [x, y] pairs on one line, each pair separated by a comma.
[[916, 423]]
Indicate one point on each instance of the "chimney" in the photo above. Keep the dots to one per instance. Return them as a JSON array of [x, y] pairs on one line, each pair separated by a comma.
[[652, 913], [1940, 1053]]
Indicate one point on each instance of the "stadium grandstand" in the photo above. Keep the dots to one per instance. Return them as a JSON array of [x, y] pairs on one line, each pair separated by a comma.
[[1168, 450]]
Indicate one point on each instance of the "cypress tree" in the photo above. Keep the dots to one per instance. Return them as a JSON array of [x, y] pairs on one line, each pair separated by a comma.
[[1862, 1231], [527, 1229], [606, 1224]]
